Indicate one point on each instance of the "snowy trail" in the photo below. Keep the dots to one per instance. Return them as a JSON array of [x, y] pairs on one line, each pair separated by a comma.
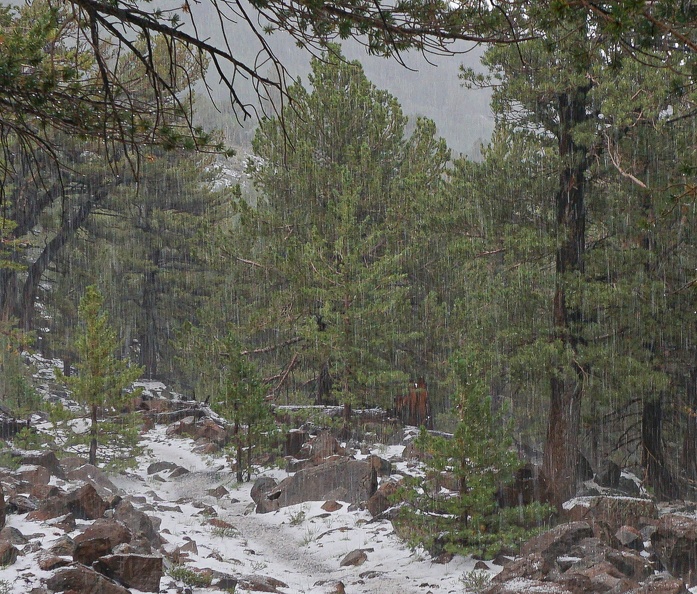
[[300, 545], [298, 554]]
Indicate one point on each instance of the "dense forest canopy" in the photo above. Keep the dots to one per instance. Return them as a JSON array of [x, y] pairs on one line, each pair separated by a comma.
[[560, 267]]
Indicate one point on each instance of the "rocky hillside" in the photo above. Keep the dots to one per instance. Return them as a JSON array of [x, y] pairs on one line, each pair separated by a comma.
[[178, 522]]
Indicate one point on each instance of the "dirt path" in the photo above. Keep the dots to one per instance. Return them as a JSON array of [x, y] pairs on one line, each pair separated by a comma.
[[301, 546]]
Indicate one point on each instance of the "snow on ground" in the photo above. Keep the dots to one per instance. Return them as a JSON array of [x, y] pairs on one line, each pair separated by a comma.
[[301, 545]]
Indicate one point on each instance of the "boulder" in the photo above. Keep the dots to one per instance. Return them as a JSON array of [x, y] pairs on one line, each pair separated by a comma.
[[87, 551], [83, 503], [526, 586], [173, 418], [630, 537], [33, 474], [156, 467], [260, 583], [608, 474], [141, 572], [598, 577], [382, 499], [353, 481], [592, 557], [331, 506], [183, 427], [321, 447], [557, 541], [531, 567], [177, 472], [49, 562], [64, 546], [71, 463], [66, 522], [382, 467], [411, 452], [112, 530], [210, 430], [42, 492], [92, 475], [354, 558], [630, 564], [205, 447], [13, 536], [78, 578], [262, 486], [223, 581], [218, 492], [294, 441], [8, 553], [613, 511], [661, 584], [22, 504], [46, 459], [139, 523], [675, 544], [329, 587]]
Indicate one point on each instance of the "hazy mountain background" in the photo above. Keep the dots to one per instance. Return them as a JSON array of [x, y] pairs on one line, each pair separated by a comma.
[[424, 87]]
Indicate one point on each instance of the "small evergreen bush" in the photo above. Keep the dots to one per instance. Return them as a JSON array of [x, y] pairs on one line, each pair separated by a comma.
[[475, 462]]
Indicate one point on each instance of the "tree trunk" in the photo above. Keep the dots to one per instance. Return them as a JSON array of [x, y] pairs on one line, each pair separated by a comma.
[[658, 477], [238, 443], [689, 444], [93, 441], [148, 340], [8, 293], [20, 302], [67, 230], [566, 385], [324, 385]]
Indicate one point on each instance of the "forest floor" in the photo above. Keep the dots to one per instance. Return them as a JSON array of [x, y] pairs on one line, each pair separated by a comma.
[[301, 545]]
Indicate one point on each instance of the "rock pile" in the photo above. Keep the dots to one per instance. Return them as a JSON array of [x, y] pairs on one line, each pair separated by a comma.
[[116, 547], [112, 543], [609, 544]]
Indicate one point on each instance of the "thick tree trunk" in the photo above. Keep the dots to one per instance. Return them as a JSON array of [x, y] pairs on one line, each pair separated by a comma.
[[149, 339], [689, 444], [324, 386], [566, 384], [8, 293], [93, 441], [237, 437], [27, 206], [70, 224], [658, 476]]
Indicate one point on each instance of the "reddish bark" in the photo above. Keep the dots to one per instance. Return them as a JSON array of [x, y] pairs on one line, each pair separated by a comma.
[[414, 408]]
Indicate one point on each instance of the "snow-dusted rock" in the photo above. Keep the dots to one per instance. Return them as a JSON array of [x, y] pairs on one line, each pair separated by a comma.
[[675, 544], [342, 479], [611, 510]]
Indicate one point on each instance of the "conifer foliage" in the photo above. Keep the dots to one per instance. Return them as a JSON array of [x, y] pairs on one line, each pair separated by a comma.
[[102, 378], [474, 464], [240, 399], [343, 190]]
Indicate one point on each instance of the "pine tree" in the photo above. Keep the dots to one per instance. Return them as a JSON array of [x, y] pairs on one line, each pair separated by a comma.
[[241, 400], [102, 379], [479, 459], [336, 220], [574, 98], [224, 377]]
